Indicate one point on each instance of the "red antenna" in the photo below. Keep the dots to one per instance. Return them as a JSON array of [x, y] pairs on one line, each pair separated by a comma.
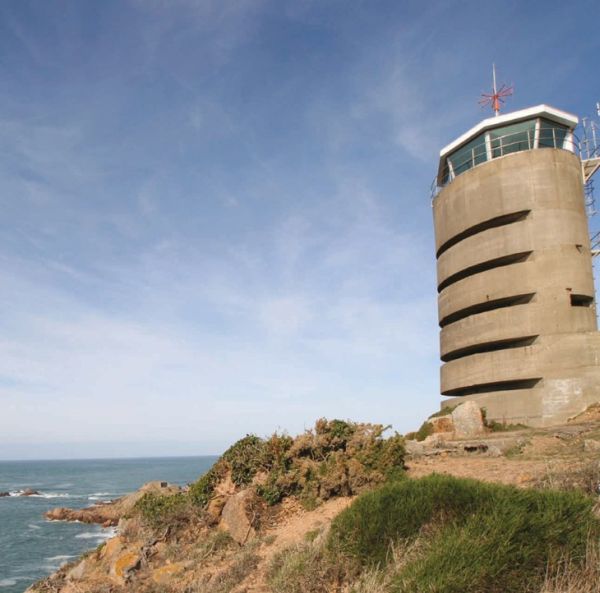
[[497, 97]]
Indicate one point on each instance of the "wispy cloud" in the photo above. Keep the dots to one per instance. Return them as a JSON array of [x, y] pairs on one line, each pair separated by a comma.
[[215, 215]]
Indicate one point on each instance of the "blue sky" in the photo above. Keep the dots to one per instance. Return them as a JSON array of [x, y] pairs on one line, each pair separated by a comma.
[[215, 214]]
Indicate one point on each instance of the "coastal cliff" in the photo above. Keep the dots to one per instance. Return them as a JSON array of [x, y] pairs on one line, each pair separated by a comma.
[[342, 508]]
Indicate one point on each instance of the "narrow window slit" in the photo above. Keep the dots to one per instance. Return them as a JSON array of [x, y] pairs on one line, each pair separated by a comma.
[[581, 300]]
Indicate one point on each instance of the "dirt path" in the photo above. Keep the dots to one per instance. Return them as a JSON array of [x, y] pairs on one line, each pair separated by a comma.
[[291, 531], [505, 471]]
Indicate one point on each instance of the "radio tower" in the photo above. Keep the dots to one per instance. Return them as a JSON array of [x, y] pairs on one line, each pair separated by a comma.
[[496, 98]]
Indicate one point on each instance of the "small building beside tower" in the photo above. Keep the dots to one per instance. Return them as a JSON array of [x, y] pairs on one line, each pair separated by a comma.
[[516, 300]]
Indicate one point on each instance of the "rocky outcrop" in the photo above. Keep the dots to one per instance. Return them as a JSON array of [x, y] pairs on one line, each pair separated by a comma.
[[442, 424], [123, 567], [215, 508], [3, 494], [108, 514], [29, 492], [468, 420], [164, 575], [78, 572], [236, 517], [105, 515]]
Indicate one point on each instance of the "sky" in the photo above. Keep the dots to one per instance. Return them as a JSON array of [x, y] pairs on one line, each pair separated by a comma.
[[216, 214]]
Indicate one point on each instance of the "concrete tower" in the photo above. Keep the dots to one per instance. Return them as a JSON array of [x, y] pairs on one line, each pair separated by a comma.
[[516, 293]]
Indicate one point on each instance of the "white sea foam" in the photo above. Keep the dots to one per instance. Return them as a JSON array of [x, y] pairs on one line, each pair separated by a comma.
[[99, 535], [60, 558], [88, 535], [52, 495], [33, 526], [10, 581], [41, 494]]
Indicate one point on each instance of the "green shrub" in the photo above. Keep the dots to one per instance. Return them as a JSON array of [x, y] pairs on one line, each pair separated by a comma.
[[159, 511], [446, 411], [271, 491], [425, 430], [336, 458], [477, 537], [243, 459]]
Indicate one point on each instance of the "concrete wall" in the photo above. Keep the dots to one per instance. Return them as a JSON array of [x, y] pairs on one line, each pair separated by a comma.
[[513, 249]]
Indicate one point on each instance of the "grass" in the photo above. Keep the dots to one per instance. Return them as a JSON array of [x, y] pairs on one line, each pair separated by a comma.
[[475, 537], [446, 411], [245, 561], [567, 576], [495, 426], [425, 430], [304, 568], [516, 450], [583, 477]]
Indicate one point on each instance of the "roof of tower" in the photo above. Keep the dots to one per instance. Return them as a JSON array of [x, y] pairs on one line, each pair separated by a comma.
[[551, 113]]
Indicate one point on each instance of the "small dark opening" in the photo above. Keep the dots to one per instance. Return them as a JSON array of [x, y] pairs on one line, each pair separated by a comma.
[[520, 299], [489, 347], [483, 226], [491, 264], [581, 300], [498, 386]]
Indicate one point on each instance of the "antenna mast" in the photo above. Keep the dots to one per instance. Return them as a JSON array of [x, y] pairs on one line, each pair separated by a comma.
[[496, 98]]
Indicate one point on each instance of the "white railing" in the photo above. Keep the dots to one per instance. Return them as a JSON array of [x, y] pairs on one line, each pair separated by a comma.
[[492, 148]]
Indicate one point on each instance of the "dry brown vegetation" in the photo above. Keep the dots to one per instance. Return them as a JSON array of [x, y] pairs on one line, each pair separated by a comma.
[[301, 484]]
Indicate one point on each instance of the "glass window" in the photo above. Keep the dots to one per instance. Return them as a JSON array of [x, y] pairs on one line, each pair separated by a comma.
[[468, 156], [552, 135], [504, 140], [512, 138]]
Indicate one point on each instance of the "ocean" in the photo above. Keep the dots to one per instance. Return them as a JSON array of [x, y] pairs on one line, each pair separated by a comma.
[[30, 546]]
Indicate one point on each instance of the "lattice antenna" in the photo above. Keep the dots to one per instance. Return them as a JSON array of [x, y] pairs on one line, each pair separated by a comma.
[[496, 98]]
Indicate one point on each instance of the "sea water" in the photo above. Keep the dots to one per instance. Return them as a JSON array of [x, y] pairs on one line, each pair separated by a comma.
[[30, 546]]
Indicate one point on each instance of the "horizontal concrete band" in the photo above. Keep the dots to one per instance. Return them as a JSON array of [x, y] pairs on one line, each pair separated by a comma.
[[536, 180], [552, 356], [552, 274], [514, 322], [539, 231], [553, 401]]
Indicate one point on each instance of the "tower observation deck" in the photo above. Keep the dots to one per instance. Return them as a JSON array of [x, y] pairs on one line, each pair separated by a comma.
[[516, 292]]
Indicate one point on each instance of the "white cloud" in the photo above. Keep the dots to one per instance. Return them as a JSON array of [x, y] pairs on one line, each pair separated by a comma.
[[201, 341]]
